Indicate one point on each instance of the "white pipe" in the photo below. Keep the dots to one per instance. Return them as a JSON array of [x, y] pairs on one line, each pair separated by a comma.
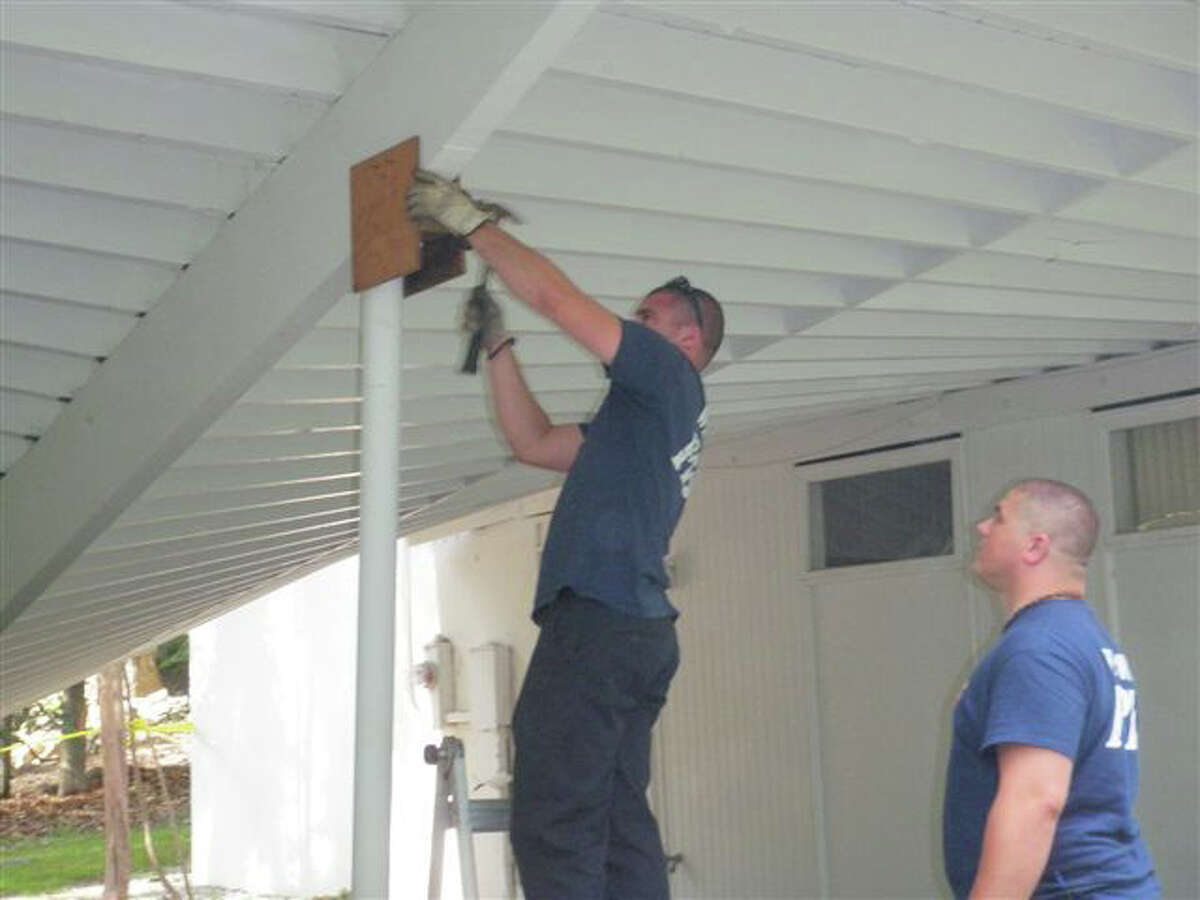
[[379, 325]]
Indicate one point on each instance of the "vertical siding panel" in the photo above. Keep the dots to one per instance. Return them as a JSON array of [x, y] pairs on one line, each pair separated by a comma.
[[737, 783]]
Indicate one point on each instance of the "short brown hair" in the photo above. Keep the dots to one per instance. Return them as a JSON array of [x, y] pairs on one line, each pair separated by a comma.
[[1064, 512], [705, 308]]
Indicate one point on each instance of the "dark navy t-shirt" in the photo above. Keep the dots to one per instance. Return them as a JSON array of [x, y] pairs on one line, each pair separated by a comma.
[[1056, 679], [612, 526]]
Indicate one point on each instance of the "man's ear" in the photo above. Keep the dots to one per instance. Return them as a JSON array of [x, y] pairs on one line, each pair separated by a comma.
[[1037, 548], [691, 337]]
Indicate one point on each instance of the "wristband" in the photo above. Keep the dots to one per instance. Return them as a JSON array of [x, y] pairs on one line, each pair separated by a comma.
[[507, 342]]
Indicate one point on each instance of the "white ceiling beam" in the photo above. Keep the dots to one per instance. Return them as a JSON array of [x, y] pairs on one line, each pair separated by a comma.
[[808, 347], [1048, 273], [954, 298], [77, 330], [383, 18], [520, 166], [512, 482], [279, 496], [95, 599], [89, 279], [1128, 205], [560, 227], [98, 224], [900, 324], [241, 476], [720, 393], [268, 276], [913, 107], [1162, 32], [161, 556], [622, 117], [12, 448], [26, 414], [221, 523], [1177, 170], [42, 372], [1100, 245], [280, 55], [324, 349], [223, 118], [938, 44], [130, 168], [801, 370]]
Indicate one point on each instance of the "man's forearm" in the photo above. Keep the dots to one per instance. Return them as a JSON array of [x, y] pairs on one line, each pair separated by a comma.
[[525, 425], [520, 416], [1016, 845], [529, 275]]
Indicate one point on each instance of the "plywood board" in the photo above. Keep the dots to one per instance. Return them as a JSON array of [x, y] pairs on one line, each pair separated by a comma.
[[385, 243]]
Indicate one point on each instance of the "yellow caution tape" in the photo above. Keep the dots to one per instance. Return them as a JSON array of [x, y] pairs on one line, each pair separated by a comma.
[[136, 725]]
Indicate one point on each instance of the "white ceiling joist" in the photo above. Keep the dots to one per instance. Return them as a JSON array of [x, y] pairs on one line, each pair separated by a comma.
[[725, 71], [929, 42], [565, 108], [269, 274], [221, 117], [209, 43]]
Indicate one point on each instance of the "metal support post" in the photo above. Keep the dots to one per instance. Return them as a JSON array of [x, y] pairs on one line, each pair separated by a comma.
[[378, 509]]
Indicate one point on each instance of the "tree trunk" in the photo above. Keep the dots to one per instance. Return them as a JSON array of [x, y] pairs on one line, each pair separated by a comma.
[[72, 760], [8, 729], [117, 863]]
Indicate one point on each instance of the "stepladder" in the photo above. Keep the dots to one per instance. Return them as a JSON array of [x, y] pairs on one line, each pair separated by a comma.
[[454, 808]]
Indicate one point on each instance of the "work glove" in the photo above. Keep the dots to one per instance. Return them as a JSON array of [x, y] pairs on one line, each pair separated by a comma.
[[439, 204]]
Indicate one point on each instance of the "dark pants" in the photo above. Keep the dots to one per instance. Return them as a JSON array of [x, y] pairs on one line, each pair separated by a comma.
[[581, 826]]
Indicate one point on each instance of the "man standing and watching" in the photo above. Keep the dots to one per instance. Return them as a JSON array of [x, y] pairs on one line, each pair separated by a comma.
[[606, 652], [1043, 771]]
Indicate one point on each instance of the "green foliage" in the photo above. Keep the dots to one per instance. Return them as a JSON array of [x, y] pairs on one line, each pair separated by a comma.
[[69, 858], [171, 659]]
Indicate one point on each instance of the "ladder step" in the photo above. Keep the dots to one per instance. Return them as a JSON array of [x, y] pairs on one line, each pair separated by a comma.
[[489, 815]]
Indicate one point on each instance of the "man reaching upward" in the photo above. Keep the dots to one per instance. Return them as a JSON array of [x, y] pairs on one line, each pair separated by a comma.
[[606, 651]]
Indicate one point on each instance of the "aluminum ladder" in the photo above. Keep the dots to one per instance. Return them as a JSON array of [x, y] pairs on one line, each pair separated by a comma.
[[454, 808]]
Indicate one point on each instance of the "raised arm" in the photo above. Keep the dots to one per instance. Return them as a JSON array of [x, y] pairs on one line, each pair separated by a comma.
[[1021, 823], [536, 281], [539, 283], [529, 275]]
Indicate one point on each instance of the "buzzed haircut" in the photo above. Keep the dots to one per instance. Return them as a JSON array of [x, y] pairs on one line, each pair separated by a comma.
[[1063, 512], [707, 309]]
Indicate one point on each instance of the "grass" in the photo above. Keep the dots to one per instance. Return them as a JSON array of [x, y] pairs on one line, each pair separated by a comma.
[[70, 858]]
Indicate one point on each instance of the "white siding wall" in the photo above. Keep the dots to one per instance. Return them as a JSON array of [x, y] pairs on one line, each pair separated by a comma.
[[880, 653], [272, 696], [803, 747]]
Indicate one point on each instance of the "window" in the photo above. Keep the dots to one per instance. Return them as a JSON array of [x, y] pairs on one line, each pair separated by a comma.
[[896, 514], [1156, 475]]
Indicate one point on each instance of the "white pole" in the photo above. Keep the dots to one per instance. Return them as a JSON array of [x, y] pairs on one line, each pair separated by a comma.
[[379, 325]]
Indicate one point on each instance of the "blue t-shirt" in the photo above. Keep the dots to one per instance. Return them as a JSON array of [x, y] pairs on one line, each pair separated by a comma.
[[612, 526], [1056, 679]]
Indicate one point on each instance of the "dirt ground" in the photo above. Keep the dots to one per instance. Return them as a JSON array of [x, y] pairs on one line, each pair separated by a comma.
[[35, 809]]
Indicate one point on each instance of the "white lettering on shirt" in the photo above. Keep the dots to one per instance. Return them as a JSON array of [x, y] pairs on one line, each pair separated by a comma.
[[687, 459], [1124, 735]]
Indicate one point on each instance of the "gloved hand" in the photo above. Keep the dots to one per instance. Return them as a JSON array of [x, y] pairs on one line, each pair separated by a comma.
[[434, 199], [482, 315]]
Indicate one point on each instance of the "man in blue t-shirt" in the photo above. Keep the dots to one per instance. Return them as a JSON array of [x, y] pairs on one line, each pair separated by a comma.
[[606, 651], [1043, 772]]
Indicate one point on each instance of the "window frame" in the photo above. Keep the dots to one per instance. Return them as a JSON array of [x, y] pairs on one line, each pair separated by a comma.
[[948, 450], [1111, 421]]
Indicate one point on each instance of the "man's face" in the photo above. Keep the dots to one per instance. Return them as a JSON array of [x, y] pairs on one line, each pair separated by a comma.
[[665, 313], [1002, 538]]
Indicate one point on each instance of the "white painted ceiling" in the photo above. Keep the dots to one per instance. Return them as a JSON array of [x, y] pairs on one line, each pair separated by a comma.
[[892, 199]]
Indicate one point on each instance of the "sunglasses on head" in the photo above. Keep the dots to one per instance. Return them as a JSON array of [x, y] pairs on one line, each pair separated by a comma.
[[682, 287]]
